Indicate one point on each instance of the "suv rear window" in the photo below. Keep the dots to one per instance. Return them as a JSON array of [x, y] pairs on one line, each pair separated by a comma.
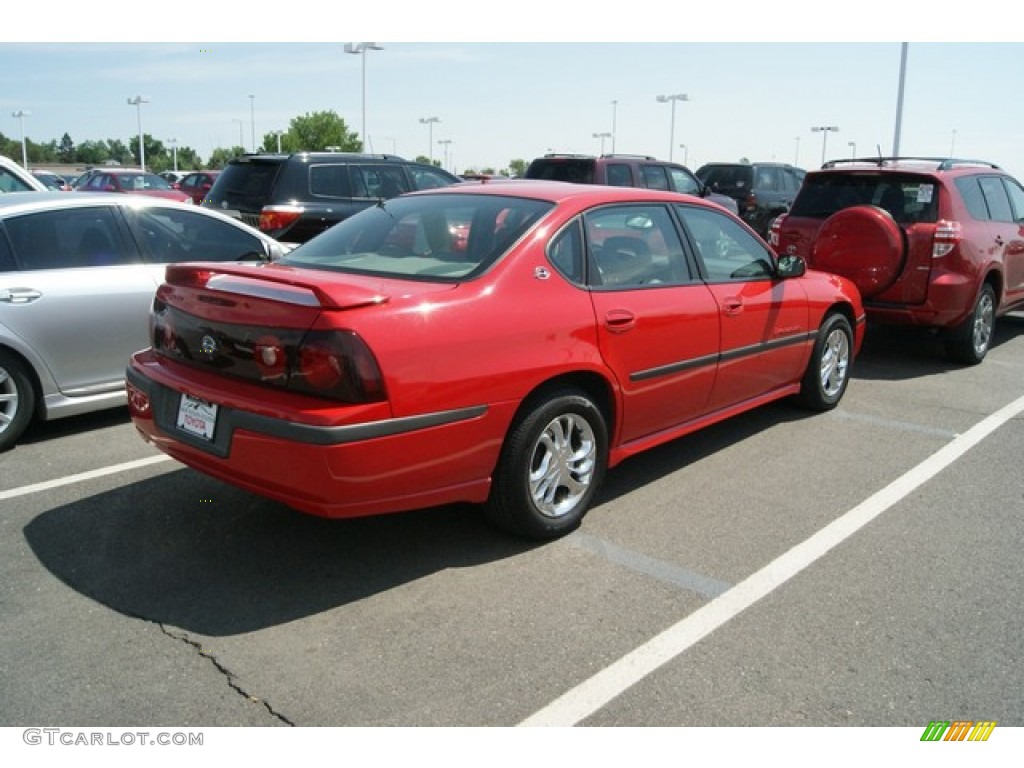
[[727, 179], [909, 199], [246, 185], [576, 171]]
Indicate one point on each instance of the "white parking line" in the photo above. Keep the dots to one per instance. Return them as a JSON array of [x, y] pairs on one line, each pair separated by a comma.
[[25, 490], [592, 694]]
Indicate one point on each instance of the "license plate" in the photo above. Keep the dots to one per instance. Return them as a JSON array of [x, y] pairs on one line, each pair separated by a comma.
[[197, 417]]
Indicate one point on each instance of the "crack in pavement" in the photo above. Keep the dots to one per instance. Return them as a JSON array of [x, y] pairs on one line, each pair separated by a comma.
[[228, 675]]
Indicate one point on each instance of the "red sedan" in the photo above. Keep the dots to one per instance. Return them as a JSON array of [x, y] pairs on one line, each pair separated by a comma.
[[133, 183], [501, 344]]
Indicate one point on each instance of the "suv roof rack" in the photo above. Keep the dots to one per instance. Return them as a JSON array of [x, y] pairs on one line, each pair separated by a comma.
[[942, 163], [630, 157]]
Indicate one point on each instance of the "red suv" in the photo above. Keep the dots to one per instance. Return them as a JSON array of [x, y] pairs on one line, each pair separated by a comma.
[[928, 241]]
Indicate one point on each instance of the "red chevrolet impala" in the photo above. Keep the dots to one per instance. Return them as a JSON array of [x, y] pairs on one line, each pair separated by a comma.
[[501, 343]]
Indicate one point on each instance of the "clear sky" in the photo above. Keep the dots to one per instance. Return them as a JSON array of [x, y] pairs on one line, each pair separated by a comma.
[[549, 87]]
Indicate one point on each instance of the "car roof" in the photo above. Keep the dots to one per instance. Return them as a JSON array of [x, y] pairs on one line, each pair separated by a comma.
[[928, 165], [32, 202], [561, 191]]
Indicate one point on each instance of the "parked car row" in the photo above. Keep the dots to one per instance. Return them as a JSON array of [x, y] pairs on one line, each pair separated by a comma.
[[501, 342]]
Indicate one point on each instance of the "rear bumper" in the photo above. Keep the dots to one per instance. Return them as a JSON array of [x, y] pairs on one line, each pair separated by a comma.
[[950, 300], [332, 470]]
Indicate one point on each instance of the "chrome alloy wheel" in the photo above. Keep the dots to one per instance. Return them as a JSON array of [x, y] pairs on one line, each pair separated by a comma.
[[562, 465], [8, 399], [835, 362], [984, 321]]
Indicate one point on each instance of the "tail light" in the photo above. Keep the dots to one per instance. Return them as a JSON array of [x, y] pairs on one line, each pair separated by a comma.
[[775, 233], [750, 203], [947, 236], [337, 364], [275, 217]]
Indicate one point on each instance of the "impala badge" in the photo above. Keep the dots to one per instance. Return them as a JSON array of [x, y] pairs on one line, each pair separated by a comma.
[[208, 345]]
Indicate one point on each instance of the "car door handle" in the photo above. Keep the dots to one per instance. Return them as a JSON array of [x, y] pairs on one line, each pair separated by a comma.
[[619, 320], [18, 295], [732, 306]]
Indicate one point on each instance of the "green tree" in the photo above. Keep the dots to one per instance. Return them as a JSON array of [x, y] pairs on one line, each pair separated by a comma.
[[66, 151], [426, 161], [221, 155], [316, 131], [517, 167]]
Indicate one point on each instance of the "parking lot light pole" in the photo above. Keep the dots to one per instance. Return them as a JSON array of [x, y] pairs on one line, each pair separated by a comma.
[[278, 133], [360, 49], [602, 137], [672, 98], [686, 153], [138, 101], [445, 143], [796, 157], [241, 136], [824, 131], [429, 122], [21, 114], [174, 152], [615, 106], [853, 148], [252, 119]]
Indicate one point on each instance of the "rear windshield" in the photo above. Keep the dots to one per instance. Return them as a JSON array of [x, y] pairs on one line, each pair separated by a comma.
[[727, 179], [909, 199], [577, 171], [246, 185], [440, 238]]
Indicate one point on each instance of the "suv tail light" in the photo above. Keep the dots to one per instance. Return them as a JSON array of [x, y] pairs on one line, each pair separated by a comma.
[[947, 236], [750, 203], [774, 234], [275, 217]]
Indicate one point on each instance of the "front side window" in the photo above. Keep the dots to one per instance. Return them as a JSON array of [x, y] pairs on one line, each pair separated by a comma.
[[684, 182], [632, 246], [378, 181], [728, 251], [68, 239], [442, 238], [425, 177]]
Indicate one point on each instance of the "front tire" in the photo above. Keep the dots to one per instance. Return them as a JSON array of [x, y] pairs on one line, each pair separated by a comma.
[[969, 342], [17, 400], [828, 371], [550, 467]]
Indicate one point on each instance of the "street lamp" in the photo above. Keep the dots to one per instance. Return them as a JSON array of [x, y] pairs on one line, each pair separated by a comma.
[[824, 131], [174, 152], [361, 49], [796, 157], [445, 143], [252, 119], [952, 144], [138, 101], [278, 133], [853, 148], [429, 122], [686, 153], [673, 98], [241, 138], [615, 105], [21, 114], [602, 137]]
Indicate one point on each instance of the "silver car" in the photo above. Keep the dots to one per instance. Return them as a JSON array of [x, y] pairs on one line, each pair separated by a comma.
[[77, 278]]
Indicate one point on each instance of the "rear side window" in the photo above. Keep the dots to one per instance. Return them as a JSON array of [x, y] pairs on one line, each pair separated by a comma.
[[11, 183], [995, 197], [619, 175], [974, 200], [329, 181], [68, 239], [172, 235]]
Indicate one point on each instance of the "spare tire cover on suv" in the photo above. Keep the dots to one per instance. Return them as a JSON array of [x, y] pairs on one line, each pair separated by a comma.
[[862, 243]]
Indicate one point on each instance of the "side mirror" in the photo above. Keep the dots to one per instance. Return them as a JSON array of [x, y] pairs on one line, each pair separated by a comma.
[[790, 266]]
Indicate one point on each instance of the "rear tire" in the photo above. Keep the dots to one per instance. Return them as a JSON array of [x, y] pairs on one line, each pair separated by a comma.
[[969, 342], [550, 467], [828, 371], [17, 400]]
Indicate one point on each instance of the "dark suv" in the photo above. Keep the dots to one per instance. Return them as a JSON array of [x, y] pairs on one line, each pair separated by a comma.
[[928, 241], [624, 171], [294, 198], [762, 191]]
